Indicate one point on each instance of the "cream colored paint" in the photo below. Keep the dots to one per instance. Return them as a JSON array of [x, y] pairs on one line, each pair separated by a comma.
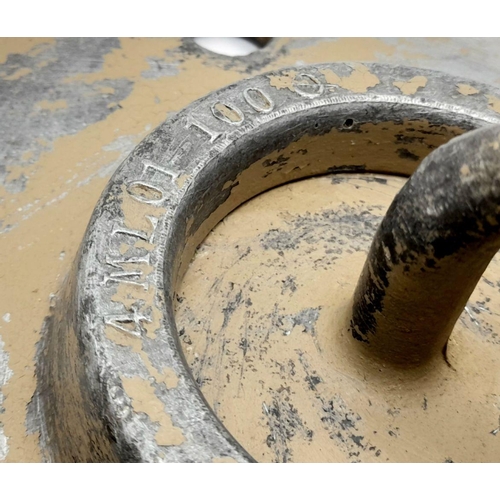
[[28, 46], [411, 86], [430, 414], [181, 180], [144, 400], [283, 80], [466, 89], [360, 79], [27, 155], [341, 50], [494, 103]]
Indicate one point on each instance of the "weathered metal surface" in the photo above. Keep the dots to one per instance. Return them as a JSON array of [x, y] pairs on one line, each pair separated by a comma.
[[75, 108], [110, 354]]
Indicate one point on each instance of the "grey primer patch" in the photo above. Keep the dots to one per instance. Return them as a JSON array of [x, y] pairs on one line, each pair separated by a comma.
[[342, 424], [284, 423], [5, 374], [476, 318], [159, 68], [289, 284], [356, 232], [306, 318]]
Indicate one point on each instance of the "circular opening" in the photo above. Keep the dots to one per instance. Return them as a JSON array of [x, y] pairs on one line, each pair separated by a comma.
[[349, 123], [231, 46]]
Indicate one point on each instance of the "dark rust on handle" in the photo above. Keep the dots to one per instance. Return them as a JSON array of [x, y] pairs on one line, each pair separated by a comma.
[[432, 247]]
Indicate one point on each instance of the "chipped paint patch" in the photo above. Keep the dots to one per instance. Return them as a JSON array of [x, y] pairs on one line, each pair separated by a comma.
[[494, 103], [465, 170], [138, 52], [144, 400], [283, 80], [411, 86], [466, 89], [29, 46], [166, 376], [360, 79], [5, 374], [181, 180]]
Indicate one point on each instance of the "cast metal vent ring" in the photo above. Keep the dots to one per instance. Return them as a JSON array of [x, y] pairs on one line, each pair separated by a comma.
[[112, 333]]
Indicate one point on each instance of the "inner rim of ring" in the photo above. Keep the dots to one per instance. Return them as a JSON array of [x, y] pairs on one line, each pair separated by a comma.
[[351, 137]]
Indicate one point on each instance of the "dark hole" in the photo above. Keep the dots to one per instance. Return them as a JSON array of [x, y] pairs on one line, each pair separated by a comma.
[[348, 123]]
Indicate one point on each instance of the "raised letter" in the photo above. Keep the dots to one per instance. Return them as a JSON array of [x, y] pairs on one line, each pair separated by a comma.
[[133, 318], [146, 193], [227, 113], [259, 100], [191, 122], [308, 86]]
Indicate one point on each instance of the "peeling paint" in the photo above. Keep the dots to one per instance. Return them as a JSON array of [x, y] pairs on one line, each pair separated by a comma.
[[181, 180], [466, 89], [283, 80], [145, 400], [494, 103], [30, 46], [411, 86], [360, 79]]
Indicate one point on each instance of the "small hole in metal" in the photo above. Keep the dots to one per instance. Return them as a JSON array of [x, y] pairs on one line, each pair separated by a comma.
[[348, 123]]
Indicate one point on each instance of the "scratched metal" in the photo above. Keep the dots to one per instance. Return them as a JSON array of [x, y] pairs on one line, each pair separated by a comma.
[[72, 110], [112, 336]]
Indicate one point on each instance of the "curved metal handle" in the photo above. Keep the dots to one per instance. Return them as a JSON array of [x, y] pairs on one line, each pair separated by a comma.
[[432, 247]]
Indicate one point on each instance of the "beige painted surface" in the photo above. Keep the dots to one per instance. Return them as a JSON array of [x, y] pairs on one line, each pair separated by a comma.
[[263, 313]]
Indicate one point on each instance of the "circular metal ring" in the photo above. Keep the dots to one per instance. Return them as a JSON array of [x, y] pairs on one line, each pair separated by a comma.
[[113, 384]]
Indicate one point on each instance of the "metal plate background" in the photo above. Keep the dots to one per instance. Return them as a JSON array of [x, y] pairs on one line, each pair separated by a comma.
[[72, 109]]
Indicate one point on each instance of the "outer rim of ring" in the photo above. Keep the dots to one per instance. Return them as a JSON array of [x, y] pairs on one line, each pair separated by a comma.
[[75, 349]]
